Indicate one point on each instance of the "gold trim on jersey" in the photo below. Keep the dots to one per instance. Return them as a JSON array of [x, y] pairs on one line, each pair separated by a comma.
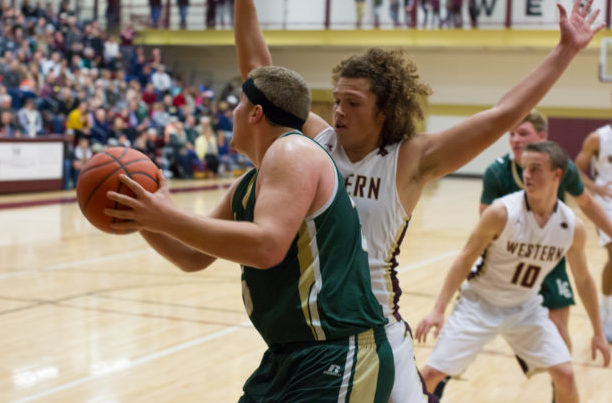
[[249, 188], [307, 284], [391, 254], [365, 379], [515, 175]]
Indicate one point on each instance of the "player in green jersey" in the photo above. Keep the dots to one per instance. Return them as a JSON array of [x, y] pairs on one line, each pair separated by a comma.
[[293, 228]]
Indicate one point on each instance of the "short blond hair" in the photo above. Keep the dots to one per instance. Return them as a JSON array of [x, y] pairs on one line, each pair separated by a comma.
[[285, 88]]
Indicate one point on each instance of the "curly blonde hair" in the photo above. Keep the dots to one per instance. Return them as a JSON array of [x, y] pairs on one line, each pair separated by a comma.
[[395, 82]]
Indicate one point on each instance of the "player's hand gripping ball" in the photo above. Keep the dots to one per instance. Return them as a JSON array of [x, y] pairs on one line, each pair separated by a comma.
[[101, 174]]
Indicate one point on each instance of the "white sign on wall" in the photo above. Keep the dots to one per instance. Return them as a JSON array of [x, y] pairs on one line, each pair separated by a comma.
[[31, 160], [300, 14]]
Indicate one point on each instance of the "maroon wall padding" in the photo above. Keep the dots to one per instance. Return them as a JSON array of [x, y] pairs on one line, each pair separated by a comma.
[[30, 186], [570, 132]]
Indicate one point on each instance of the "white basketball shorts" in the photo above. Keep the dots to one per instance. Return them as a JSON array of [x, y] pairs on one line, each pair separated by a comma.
[[408, 386], [474, 322]]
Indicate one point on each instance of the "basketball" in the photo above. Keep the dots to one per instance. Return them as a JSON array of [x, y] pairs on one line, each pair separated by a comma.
[[101, 174]]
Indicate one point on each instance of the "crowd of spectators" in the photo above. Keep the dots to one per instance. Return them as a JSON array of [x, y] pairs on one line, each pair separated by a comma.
[[62, 76], [436, 13], [217, 13]]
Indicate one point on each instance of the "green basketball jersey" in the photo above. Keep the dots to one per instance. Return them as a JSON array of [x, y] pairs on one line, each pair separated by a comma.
[[505, 176], [321, 290]]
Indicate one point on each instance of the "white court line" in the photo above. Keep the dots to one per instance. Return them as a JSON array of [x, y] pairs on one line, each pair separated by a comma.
[[135, 363], [76, 263], [192, 343], [426, 262]]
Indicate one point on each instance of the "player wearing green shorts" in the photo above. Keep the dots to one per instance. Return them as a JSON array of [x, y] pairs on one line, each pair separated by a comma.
[[316, 311]]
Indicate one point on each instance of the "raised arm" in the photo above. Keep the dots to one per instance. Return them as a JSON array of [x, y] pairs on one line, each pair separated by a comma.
[[251, 46], [253, 52], [490, 225], [446, 151], [587, 291]]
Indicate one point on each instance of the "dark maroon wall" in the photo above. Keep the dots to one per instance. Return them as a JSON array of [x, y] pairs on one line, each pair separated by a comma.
[[570, 132]]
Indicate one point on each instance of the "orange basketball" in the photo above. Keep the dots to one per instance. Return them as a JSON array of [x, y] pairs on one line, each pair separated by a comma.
[[101, 174]]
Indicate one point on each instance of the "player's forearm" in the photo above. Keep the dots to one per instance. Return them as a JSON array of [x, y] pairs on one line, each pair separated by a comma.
[[523, 97], [456, 275], [251, 46], [588, 295], [466, 140], [595, 213], [242, 242], [181, 255], [588, 182]]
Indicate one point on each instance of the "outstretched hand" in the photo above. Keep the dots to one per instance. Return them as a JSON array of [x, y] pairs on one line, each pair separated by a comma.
[[146, 211], [434, 319], [599, 342], [577, 30]]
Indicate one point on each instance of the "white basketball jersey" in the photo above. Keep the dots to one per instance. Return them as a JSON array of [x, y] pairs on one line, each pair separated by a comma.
[[514, 265], [603, 162], [371, 183]]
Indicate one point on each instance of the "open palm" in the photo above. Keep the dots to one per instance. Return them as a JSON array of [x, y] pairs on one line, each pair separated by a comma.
[[577, 30]]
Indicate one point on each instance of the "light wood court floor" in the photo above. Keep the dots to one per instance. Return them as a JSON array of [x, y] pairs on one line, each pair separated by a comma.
[[97, 318]]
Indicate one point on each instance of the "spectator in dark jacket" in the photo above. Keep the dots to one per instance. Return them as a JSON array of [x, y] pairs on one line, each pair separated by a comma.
[[183, 5], [155, 6]]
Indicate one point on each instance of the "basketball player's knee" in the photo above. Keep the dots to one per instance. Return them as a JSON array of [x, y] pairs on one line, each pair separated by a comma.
[[563, 376], [432, 377]]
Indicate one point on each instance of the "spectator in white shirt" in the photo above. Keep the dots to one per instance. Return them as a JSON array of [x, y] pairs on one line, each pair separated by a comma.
[[30, 120], [161, 80]]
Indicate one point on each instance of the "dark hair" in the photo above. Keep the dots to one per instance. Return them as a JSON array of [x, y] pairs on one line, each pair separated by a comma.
[[395, 82], [558, 156]]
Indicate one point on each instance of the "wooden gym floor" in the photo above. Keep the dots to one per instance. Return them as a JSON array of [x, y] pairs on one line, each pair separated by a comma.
[[97, 318]]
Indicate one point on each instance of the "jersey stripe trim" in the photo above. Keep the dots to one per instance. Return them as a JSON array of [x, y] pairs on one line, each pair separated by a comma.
[[515, 175], [310, 282], [348, 371], [247, 194], [334, 192], [391, 280], [365, 380]]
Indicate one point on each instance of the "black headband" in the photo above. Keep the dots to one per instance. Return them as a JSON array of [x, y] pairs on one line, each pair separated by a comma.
[[274, 113]]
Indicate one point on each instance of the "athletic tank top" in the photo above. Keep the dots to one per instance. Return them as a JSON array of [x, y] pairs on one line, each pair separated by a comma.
[[514, 265], [321, 290], [371, 183], [603, 162]]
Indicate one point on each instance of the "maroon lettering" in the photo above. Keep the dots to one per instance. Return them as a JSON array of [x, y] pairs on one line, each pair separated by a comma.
[[361, 182], [374, 187]]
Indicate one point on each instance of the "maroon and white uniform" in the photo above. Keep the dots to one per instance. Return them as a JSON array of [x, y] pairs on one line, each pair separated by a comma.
[[501, 294], [371, 183]]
